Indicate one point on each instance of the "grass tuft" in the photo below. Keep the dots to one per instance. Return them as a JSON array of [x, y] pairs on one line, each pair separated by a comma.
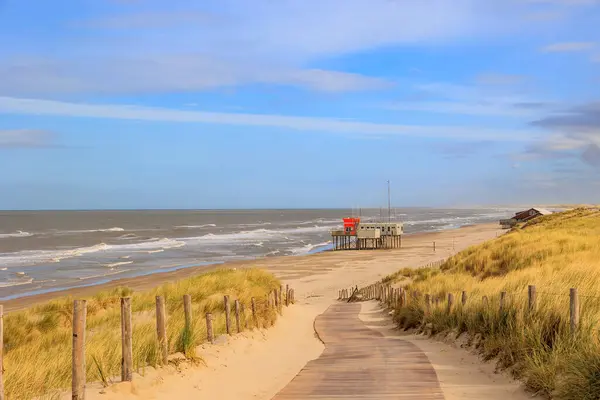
[[554, 253], [38, 340]]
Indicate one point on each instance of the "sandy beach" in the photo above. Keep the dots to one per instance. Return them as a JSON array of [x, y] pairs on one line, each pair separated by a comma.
[[261, 363]]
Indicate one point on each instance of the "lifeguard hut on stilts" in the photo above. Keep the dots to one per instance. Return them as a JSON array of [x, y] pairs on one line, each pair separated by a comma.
[[358, 235]]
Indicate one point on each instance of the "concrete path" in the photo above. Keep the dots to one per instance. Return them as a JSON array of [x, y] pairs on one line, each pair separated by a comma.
[[360, 363]]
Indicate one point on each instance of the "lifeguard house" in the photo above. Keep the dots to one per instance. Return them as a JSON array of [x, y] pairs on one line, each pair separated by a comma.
[[358, 235]]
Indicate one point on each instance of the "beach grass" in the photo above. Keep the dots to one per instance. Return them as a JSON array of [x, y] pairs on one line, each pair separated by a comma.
[[554, 253], [38, 340]]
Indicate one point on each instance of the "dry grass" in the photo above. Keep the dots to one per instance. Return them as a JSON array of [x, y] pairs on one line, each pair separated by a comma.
[[38, 340], [555, 253]]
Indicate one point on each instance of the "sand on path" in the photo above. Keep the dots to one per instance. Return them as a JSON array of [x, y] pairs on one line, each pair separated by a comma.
[[462, 374], [256, 365]]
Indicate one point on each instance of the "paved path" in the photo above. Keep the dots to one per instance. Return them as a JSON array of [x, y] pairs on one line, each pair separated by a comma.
[[360, 363]]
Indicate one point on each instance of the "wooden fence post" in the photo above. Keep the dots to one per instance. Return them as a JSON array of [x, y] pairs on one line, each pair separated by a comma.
[[237, 315], [427, 304], [253, 304], [78, 367], [227, 314], [161, 329], [126, 342], [209, 328], [276, 299], [280, 298], [287, 295], [1, 352], [450, 302], [463, 299], [574, 308], [502, 301], [187, 310], [434, 247], [531, 294]]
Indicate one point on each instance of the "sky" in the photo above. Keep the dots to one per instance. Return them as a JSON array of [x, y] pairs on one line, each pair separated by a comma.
[[298, 103]]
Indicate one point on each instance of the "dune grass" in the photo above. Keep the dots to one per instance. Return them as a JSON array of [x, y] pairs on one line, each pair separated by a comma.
[[38, 340], [554, 253]]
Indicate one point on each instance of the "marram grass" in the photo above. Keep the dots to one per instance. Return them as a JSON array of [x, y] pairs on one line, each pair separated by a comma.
[[38, 340], [554, 253]]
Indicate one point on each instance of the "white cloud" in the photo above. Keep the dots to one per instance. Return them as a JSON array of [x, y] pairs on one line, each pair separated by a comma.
[[147, 20], [479, 109], [494, 78], [240, 42], [9, 105], [568, 47], [493, 95], [169, 73], [17, 138]]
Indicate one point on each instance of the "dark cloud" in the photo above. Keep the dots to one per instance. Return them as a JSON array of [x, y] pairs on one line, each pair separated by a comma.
[[532, 105], [591, 155], [575, 133], [583, 118]]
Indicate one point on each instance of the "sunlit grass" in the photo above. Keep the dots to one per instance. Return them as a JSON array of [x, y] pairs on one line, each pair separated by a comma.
[[554, 253], [38, 340]]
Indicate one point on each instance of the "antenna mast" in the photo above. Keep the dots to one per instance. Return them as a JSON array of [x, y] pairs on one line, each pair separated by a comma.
[[389, 203]]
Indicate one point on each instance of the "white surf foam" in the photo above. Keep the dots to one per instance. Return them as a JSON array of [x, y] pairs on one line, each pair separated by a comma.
[[116, 264], [69, 232], [33, 257], [29, 257], [16, 283], [307, 248], [17, 234], [195, 226], [83, 278]]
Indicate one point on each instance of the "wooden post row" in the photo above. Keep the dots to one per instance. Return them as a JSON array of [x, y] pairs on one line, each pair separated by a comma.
[[161, 329], [126, 342], [531, 294], [574, 310], [1, 352], [187, 311], [78, 367], [237, 315], [227, 314], [450, 302], [209, 328], [253, 304]]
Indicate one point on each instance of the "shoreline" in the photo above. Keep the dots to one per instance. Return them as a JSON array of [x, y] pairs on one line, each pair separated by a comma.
[[176, 272]]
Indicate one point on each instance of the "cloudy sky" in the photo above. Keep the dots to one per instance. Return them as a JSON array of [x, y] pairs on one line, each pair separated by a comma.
[[298, 103]]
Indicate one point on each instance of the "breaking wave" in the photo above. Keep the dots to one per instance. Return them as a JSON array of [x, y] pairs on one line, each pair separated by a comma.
[[15, 235]]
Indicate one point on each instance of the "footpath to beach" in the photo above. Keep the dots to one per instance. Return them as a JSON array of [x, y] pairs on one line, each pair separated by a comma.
[[287, 359]]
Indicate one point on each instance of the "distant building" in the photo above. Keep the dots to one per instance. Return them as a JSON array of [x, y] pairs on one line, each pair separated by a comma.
[[524, 216]]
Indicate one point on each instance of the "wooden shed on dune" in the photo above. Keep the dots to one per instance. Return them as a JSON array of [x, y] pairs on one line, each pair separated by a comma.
[[524, 216]]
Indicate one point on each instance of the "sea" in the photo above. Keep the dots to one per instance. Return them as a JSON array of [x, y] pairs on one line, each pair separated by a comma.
[[46, 251]]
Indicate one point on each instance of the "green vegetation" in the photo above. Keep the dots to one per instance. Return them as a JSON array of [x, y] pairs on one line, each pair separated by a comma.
[[554, 253], [38, 341]]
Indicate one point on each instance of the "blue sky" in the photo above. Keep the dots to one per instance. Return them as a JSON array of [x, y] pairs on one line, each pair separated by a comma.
[[298, 103]]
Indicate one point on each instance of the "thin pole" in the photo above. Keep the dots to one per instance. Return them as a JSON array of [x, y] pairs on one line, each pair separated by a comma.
[[389, 203], [161, 329], [78, 371], [126, 341]]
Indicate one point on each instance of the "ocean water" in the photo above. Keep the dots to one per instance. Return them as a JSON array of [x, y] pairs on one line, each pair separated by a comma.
[[43, 251]]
